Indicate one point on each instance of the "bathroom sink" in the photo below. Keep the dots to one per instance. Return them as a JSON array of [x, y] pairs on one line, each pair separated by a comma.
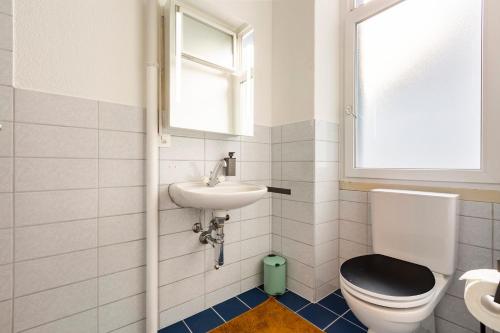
[[224, 196]]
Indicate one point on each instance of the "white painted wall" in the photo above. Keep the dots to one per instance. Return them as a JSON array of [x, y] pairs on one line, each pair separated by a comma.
[[92, 49], [95, 49], [293, 61]]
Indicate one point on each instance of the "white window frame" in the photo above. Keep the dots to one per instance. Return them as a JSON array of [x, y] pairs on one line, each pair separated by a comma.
[[490, 141]]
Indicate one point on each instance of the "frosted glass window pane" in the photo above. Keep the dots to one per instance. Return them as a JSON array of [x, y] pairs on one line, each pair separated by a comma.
[[206, 42], [203, 99], [418, 87]]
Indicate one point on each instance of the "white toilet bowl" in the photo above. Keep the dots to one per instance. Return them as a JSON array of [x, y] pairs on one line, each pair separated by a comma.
[[386, 314]]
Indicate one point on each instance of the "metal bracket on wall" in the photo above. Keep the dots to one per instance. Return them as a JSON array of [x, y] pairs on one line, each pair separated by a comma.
[[279, 190]]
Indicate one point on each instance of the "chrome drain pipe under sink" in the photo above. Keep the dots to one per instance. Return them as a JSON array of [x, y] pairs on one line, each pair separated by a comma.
[[214, 236]]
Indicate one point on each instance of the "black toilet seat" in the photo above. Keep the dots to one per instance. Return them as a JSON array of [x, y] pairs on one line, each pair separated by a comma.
[[383, 275]]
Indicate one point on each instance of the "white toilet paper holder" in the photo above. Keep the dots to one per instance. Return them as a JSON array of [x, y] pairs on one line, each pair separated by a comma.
[[496, 299]]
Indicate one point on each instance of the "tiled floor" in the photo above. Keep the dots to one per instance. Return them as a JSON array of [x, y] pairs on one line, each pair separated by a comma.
[[331, 314]]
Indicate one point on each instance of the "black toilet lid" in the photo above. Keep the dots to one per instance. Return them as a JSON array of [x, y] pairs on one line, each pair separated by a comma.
[[388, 276]]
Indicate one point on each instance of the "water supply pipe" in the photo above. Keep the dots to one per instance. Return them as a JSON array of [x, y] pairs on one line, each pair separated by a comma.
[[152, 166]]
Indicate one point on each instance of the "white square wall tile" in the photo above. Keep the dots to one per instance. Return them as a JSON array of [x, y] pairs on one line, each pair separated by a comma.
[[255, 171], [181, 311], [300, 191], [121, 313], [496, 211], [260, 208], [180, 292], [122, 284], [354, 211], [38, 207], [326, 171], [255, 227], [218, 149], [496, 235], [298, 131], [114, 144], [6, 210], [6, 282], [476, 231], [348, 249], [82, 322], [50, 305], [6, 316], [298, 251], [177, 220], [179, 244], [55, 141], [326, 131], [326, 252], [6, 103], [114, 173], [298, 211], [298, 171], [42, 174], [6, 172], [251, 282], [454, 310], [180, 171], [300, 289], [354, 231], [46, 273], [299, 231], [6, 240], [56, 238], [222, 277], [300, 272], [6, 32], [121, 200], [326, 272], [6, 7], [356, 196], [276, 134], [6, 67], [6, 139], [276, 150], [326, 211], [182, 267], [122, 256], [326, 191], [121, 117], [184, 149], [298, 151], [326, 151], [473, 257], [255, 152], [325, 232], [122, 228], [252, 266], [222, 294], [42, 108], [255, 246], [476, 209]]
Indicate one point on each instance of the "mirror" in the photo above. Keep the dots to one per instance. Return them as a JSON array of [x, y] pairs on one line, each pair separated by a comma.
[[209, 72]]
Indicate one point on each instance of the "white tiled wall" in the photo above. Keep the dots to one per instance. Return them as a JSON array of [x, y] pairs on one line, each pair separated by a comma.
[[305, 223], [479, 232], [71, 209], [188, 281]]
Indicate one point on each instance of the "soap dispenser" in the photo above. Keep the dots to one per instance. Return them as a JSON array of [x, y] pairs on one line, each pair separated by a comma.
[[230, 164]]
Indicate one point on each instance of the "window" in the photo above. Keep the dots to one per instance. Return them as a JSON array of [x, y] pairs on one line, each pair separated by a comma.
[[210, 72], [414, 106]]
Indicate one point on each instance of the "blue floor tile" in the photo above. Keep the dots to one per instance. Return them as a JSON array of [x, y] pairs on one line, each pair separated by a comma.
[[204, 321], [343, 326], [338, 292], [352, 318], [292, 300], [335, 303], [230, 309], [253, 297], [178, 327], [318, 315]]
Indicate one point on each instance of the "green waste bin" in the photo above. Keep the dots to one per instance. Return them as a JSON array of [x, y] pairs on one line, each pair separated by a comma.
[[274, 275]]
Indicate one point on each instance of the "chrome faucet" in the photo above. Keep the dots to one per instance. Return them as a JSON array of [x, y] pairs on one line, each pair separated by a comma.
[[215, 237], [216, 172]]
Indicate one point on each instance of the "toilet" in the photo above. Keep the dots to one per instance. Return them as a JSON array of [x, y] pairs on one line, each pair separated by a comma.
[[415, 237]]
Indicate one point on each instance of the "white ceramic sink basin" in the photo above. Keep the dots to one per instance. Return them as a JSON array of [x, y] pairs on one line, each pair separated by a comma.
[[224, 196]]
